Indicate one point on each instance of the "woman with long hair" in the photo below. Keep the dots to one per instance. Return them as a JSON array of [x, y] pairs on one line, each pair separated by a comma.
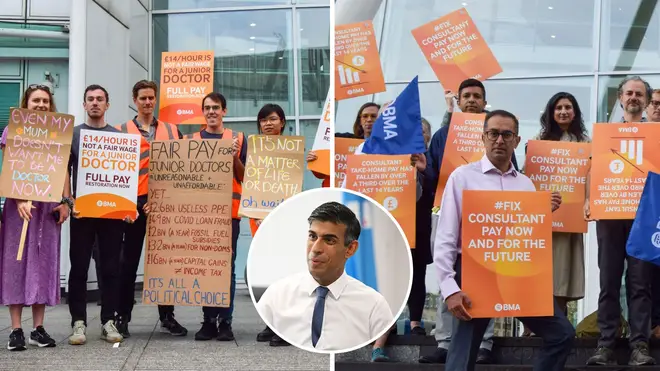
[[562, 121], [35, 279], [366, 116]]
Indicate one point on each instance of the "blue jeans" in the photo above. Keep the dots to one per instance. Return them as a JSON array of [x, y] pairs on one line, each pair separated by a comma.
[[227, 313], [556, 331]]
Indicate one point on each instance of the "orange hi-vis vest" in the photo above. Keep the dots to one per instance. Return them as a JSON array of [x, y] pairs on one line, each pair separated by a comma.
[[164, 131], [237, 188]]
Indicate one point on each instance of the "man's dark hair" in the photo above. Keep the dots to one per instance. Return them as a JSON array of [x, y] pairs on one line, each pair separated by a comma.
[[216, 97], [502, 113], [336, 213], [144, 84], [469, 83], [96, 87]]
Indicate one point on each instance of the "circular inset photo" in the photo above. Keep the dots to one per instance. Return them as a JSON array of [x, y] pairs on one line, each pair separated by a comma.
[[329, 270]]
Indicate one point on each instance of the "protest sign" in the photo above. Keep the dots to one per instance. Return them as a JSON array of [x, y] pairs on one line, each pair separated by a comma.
[[456, 50], [623, 154], [390, 181], [322, 141], [561, 167], [506, 244], [36, 155], [464, 145], [108, 170], [343, 148], [357, 64], [398, 129], [185, 79], [188, 257], [273, 173]]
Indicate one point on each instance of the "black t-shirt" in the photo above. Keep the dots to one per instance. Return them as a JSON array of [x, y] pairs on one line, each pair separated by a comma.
[[206, 135], [75, 148]]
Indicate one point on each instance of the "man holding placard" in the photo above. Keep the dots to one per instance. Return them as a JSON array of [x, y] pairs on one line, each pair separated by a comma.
[[85, 230], [217, 321], [494, 172], [634, 94], [149, 128]]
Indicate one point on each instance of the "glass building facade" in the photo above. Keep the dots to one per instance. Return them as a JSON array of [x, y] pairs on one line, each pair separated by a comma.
[[275, 51], [585, 47]]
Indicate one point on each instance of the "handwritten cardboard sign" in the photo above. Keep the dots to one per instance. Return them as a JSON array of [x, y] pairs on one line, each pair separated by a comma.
[[322, 141], [357, 64], [506, 245], [623, 154], [188, 257], [390, 181], [456, 50], [107, 174], [343, 148], [464, 145], [561, 167], [36, 155], [273, 172], [185, 78]]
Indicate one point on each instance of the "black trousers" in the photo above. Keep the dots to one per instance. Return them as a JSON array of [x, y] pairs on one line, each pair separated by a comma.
[[417, 297], [612, 238], [227, 314], [84, 231], [131, 252]]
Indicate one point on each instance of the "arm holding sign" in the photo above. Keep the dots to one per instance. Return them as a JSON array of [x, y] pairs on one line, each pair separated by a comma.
[[65, 207], [239, 161]]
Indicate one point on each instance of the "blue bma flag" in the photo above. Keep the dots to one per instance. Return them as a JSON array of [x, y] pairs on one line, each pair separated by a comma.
[[644, 239], [398, 129]]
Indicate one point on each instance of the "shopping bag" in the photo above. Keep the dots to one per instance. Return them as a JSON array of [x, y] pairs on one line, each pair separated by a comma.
[[644, 239]]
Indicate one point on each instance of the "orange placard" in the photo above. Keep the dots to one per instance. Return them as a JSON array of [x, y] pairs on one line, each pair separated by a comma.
[[455, 49], [623, 154], [464, 145], [506, 245], [562, 167], [185, 79], [343, 148], [357, 63], [391, 181]]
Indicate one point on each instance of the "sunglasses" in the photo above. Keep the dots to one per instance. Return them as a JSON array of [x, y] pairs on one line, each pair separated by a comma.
[[39, 87]]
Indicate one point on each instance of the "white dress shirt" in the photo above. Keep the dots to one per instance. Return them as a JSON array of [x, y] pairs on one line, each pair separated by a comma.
[[480, 175], [355, 314]]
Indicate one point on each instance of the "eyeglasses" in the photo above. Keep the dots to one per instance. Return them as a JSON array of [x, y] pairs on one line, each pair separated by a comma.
[[655, 103], [214, 108], [366, 116], [39, 87], [493, 135]]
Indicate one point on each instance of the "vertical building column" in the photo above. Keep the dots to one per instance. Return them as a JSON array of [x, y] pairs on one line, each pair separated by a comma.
[[77, 71]]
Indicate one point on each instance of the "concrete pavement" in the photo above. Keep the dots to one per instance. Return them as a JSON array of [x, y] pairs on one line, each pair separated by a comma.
[[148, 349]]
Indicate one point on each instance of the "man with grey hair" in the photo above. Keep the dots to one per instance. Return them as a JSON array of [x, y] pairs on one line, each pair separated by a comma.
[[634, 94]]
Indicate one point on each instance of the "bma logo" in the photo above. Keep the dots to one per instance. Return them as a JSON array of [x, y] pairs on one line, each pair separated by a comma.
[[655, 237], [102, 203], [506, 307], [184, 112]]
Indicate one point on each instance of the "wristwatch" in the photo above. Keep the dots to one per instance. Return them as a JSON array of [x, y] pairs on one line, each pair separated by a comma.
[[68, 201]]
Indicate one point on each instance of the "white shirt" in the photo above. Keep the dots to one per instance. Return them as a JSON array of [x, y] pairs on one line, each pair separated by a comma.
[[354, 315]]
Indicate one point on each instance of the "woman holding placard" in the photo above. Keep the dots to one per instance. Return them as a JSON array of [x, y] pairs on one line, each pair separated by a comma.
[[35, 279], [562, 121]]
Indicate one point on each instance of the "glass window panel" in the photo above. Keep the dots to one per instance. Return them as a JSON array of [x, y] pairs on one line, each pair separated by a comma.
[[609, 107], [305, 2], [346, 112], [314, 59], [12, 8], [308, 130], [139, 34], [524, 98], [253, 54], [527, 37], [630, 36], [198, 4], [49, 8]]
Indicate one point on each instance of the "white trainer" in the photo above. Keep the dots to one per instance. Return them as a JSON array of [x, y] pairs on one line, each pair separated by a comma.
[[110, 334], [78, 336]]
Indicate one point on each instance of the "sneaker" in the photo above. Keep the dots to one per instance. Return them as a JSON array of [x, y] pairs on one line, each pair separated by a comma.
[[224, 331], [418, 330], [640, 355], [78, 336], [40, 338], [122, 327], [171, 326], [16, 340], [603, 357], [438, 356], [110, 334], [378, 355], [265, 335], [277, 341], [208, 331], [485, 357]]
